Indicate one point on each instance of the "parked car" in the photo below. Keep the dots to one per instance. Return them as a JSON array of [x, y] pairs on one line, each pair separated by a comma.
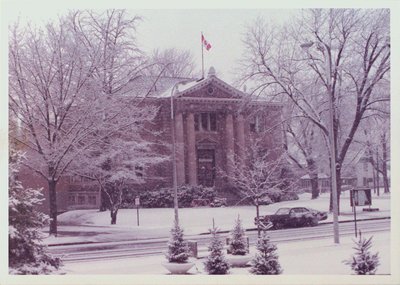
[[291, 217]]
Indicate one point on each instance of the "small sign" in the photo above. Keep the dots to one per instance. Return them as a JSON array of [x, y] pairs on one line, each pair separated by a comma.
[[360, 197], [137, 201]]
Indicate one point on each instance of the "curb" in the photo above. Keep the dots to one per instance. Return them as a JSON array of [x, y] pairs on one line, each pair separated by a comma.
[[222, 232]]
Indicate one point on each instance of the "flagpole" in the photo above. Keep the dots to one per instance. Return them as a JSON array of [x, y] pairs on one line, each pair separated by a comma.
[[202, 56]]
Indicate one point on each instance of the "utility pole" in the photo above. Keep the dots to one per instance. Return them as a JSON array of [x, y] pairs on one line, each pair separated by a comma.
[[332, 148]]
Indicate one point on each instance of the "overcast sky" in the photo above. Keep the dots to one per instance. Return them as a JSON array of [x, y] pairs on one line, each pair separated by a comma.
[[181, 29]]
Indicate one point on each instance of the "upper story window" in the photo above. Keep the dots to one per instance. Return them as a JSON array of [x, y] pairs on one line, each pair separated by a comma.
[[256, 125], [206, 122], [365, 164]]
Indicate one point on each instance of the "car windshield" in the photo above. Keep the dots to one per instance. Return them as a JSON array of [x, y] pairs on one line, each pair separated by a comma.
[[282, 211]]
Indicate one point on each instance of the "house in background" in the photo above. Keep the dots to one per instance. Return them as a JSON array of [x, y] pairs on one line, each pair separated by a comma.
[[324, 183]]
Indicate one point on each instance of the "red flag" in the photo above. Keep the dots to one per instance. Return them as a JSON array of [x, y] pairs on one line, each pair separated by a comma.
[[206, 44]]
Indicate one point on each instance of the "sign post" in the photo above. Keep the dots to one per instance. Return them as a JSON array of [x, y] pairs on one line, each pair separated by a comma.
[[137, 204], [359, 197]]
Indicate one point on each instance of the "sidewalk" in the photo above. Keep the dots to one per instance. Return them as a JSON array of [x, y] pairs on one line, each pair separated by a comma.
[[90, 226]]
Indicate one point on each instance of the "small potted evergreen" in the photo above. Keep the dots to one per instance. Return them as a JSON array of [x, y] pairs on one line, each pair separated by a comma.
[[216, 262], [238, 250], [178, 252]]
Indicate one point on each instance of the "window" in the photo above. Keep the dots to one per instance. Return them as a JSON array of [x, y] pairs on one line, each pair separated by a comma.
[[81, 200], [366, 166], [256, 124], [92, 200], [205, 122], [71, 200], [139, 171]]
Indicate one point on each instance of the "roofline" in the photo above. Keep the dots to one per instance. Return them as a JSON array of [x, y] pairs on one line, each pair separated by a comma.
[[208, 80]]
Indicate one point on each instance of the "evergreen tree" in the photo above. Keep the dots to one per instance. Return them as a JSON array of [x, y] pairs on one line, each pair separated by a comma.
[[238, 242], [216, 262], [26, 253], [266, 260], [363, 262], [178, 250]]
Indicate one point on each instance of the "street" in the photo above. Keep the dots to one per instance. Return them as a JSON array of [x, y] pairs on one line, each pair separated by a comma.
[[156, 246]]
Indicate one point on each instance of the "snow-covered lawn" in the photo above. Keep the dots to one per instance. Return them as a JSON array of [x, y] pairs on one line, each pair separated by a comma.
[[300, 257], [92, 225]]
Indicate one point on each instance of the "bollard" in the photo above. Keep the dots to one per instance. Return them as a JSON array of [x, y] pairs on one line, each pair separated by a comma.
[[193, 248]]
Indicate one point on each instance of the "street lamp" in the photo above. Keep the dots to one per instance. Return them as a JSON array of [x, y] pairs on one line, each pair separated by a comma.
[[174, 170], [332, 149]]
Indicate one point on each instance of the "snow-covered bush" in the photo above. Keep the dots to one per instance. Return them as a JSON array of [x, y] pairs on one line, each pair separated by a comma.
[[178, 250], [216, 262], [237, 240], [164, 197], [26, 254], [363, 262], [266, 260], [289, 196]]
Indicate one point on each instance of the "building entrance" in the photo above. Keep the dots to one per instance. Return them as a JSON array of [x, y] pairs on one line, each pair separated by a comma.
[[206, 167]]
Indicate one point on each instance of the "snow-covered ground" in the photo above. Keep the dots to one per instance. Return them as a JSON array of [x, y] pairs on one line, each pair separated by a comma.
[[314, 257], [94, 226]]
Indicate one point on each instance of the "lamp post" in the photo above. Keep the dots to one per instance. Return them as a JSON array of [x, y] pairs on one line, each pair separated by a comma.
[[174, 170], [332, 149]]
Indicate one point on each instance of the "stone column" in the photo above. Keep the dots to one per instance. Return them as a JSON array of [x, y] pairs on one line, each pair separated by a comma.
[[229, 139], [180, 155], [240, 137], [191, 150]]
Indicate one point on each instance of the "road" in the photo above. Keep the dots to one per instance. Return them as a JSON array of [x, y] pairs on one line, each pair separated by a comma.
[[137, 248]]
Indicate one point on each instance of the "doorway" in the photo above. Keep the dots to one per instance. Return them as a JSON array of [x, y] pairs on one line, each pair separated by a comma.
[[206, 167]]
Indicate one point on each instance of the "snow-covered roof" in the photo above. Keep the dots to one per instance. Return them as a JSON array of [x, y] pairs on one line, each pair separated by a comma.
[[152, 86], [320, 176], [162, 87]]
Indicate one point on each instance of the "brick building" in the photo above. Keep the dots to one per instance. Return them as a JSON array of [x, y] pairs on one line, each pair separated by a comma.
[[212, 120]]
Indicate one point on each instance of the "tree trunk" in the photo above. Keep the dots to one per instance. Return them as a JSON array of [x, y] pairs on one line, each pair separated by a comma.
[[103, 201], [113, 214], [377, 172], [53, 207], [314, 185], [258, 217], [374, 172], [384, 166], [338, 188], [313, 173]]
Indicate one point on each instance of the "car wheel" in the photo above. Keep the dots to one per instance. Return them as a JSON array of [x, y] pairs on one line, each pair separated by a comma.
[[313, 222]]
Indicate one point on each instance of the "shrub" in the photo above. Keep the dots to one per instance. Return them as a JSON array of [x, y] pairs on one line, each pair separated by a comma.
[[26, 252], [237, 241], [363, 262], [216, 262], [266, 259], [164, 198], [178, 250], [289, 196]]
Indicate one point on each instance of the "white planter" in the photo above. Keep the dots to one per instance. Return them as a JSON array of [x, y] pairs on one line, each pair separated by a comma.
[[178, 268], [238, 260]]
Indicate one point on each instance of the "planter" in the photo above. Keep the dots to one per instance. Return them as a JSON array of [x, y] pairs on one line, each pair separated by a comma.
[[178, 268], [238, 260]]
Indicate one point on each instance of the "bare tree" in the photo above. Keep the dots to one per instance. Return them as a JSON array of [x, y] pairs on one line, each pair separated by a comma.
[[258, 174], [303, 147], [377, 142], [48, 78], [120, 161], [346, 54], [62, 79], [173, 62]]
